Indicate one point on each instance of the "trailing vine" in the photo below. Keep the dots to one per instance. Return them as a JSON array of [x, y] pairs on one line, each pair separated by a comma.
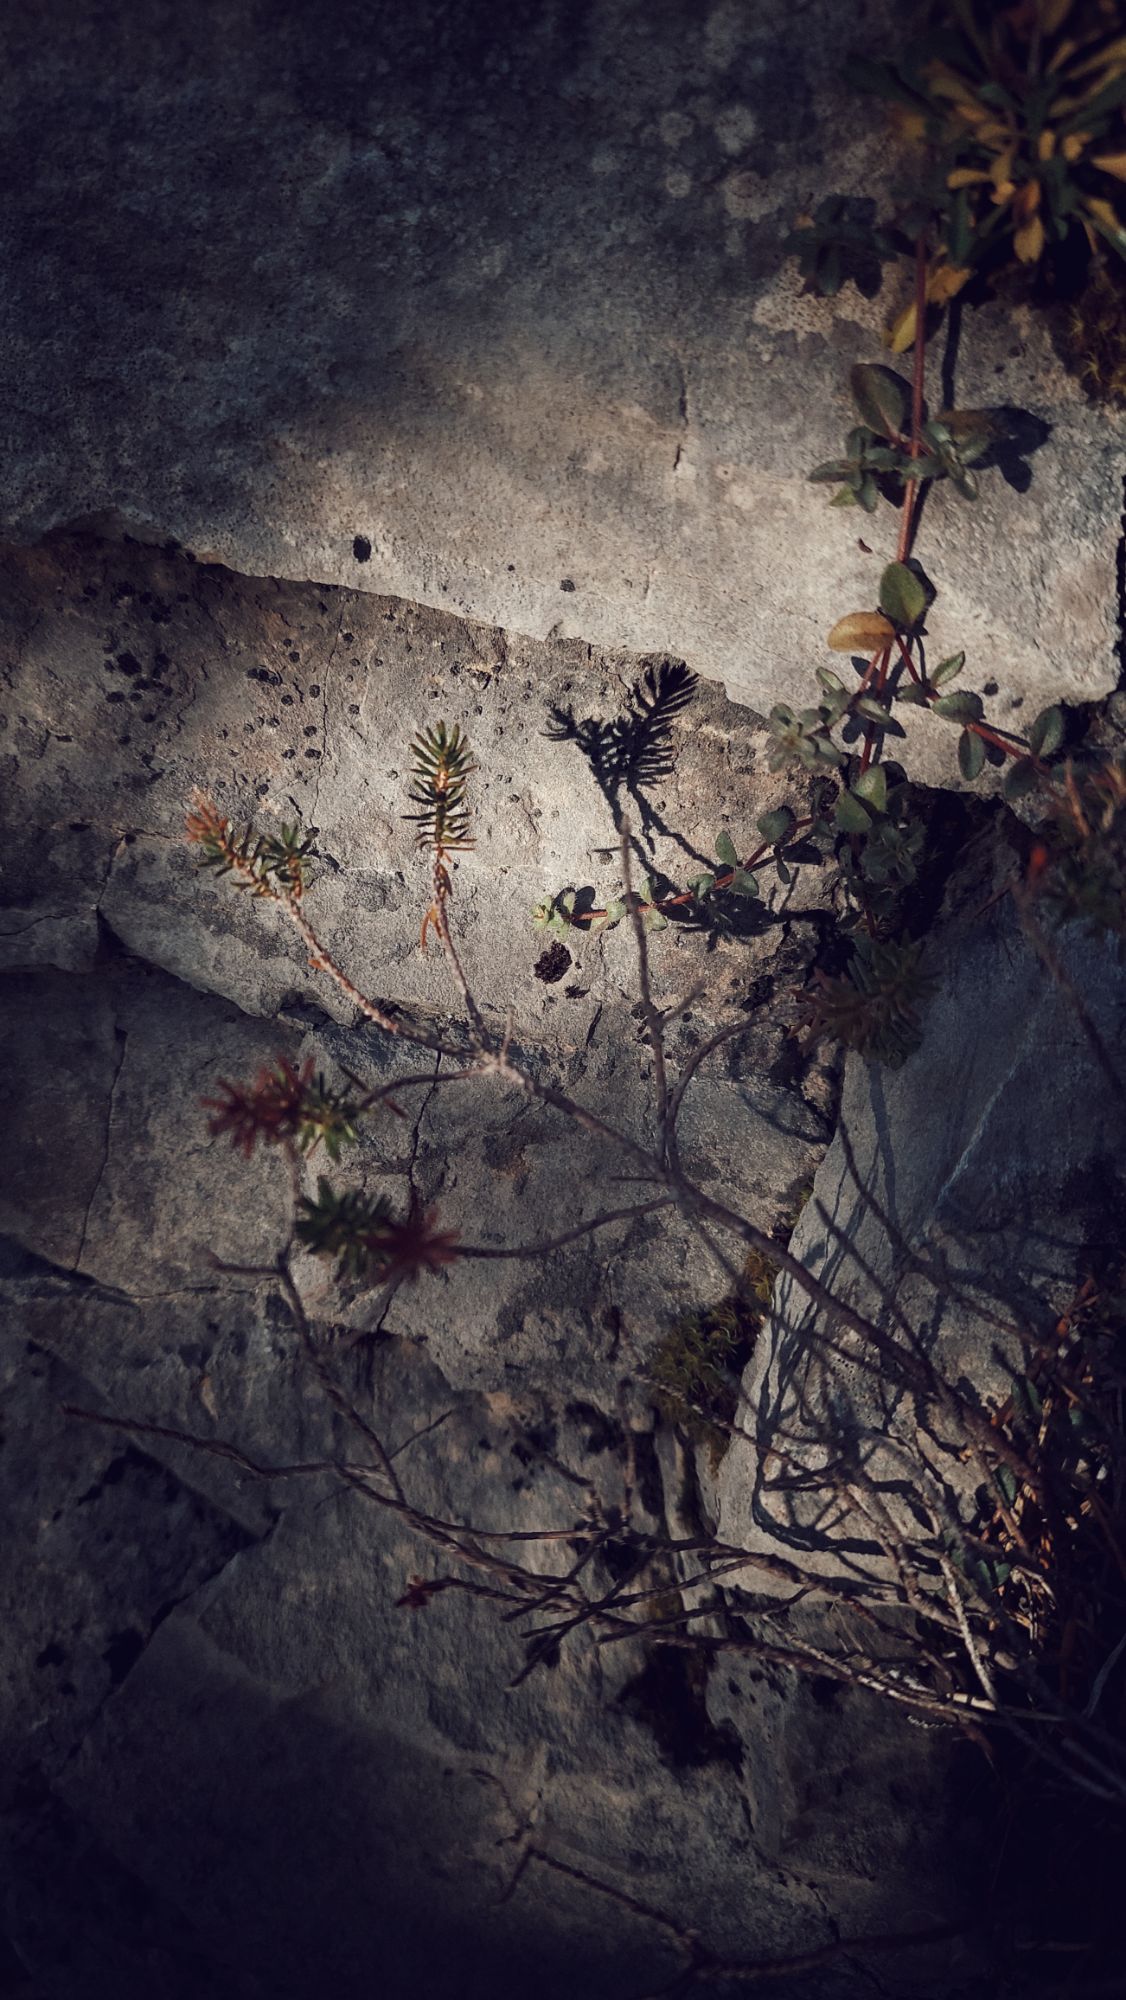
[[1017, 112]]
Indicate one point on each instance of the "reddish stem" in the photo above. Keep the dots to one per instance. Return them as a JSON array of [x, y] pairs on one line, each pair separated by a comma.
[[907, 512], [721, 881], [907, 519], [908, 662]]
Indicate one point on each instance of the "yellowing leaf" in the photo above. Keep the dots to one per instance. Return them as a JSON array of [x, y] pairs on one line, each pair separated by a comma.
[[1073, 145], [1004, 193], [945, 82], [1027, 201], [1109, 58], [910, 125], [964, 177], [946, 282], [1001, 169], [1046, 144], [901, 333], [861, 632], [1103, 211], [1110, 163], [1062, 55], [1029, 241], [1053, 14]]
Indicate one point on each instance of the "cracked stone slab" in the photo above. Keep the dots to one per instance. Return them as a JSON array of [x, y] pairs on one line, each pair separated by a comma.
[[995, 1152], [488, 312], [292, 1777], [133, 676], [289, 1751]]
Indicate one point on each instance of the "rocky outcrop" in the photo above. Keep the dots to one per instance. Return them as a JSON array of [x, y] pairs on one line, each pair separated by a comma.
[[486, 308], [235, 1764]]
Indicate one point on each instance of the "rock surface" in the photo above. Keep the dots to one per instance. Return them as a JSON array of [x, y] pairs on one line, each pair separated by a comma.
[[983, 1172], [485, 308], [233, 1764]]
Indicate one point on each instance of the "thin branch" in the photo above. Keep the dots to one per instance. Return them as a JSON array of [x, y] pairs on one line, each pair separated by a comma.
[[548, 1243]]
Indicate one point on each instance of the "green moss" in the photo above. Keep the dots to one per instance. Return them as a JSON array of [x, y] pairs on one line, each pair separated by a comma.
[[1094, 338], [695, 1369]]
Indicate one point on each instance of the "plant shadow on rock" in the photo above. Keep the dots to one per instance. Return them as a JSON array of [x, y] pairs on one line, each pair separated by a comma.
[[632, 754]]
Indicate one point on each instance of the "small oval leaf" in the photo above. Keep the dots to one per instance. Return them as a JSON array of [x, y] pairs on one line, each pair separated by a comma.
[[775, 826], [861, 631], [742, 884], [1046, 733], [872, 787], [851, 816], [1019, 778], [725, 848], [882, 398], [902, 596], [960, 707], [872, 710], [971, 754], [948, 670]]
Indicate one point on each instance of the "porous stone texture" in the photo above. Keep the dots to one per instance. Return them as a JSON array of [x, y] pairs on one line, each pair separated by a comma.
[[233, 1765], [485, 307]]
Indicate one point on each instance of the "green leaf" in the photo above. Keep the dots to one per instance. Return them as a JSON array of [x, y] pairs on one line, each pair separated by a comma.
[[830, 681], [830, 473], [872, 710], [872, 787], [960, 707], [1046, 733], [911, 691], [776, 826], [742, 884], [851, 816], [868, 493], [882, 398], [847, 498], [653, 919], [1020, 776], [700, 885], [971, 754], [725, 848], [1006, 1480], [902, 596], [948, 670]]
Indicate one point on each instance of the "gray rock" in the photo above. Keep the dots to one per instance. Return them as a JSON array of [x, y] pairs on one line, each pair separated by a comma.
[[984, 1169], [293, 1782], [487, 310]]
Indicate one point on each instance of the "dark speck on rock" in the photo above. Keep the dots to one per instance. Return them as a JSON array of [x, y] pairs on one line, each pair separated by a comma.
[[553, 963], [361, 549], [567, 584]]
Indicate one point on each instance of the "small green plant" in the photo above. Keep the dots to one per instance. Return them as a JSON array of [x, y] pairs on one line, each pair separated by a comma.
[[877, 1007], [878, 452], [696, 1368], [1094, 337], [366, 1241], [1017, 111], [284, 1106], [1079, 869]]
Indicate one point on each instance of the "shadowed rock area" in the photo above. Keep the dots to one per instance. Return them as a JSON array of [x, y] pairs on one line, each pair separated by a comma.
[[233, 1764], [485, 307], [367, 367]]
